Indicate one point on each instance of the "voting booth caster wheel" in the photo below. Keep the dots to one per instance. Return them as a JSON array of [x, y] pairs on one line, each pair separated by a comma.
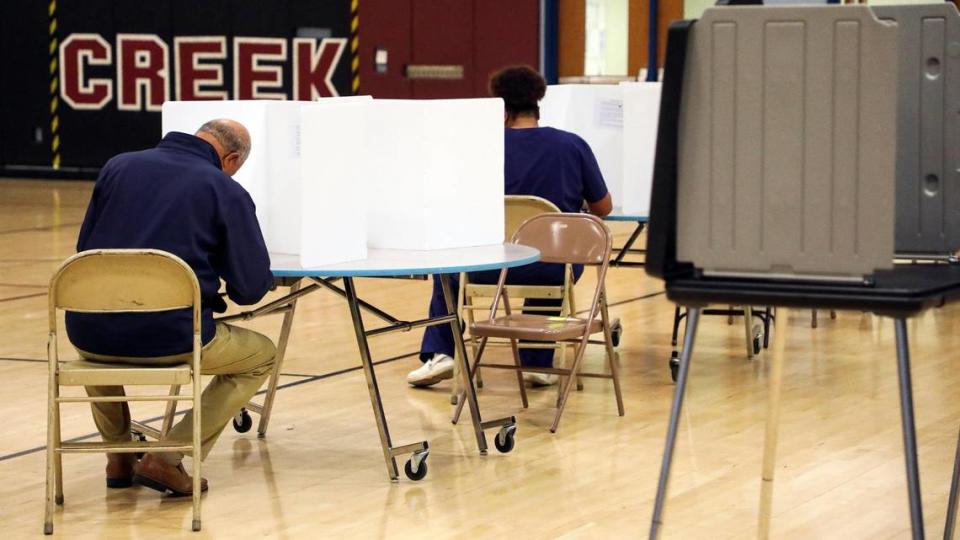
[[416, 467], [757, 338], [616, 330], [674, 365], [242, 421], [506, 438]]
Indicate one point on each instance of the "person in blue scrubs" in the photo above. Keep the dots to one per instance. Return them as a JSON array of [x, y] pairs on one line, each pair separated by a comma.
[[178, 197], [550, 163]]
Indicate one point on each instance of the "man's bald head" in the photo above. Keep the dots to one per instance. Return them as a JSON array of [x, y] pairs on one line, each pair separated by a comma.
[[228, 137]]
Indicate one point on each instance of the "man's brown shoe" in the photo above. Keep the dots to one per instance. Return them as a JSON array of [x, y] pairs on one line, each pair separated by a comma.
[[157, 474], [120, 470]]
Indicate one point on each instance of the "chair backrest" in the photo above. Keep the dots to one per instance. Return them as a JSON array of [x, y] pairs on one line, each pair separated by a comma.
[[567, 238], [519, 208], [928, 97], [124, 280], [775, 153]]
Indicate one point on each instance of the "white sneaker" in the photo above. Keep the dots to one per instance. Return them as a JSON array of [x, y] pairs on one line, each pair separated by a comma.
[[540, 379], [432, 371]]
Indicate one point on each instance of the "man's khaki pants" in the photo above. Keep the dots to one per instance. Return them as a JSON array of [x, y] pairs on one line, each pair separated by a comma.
[[240, 360]]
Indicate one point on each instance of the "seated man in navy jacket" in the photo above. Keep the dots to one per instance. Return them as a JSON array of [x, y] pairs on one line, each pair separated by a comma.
[[179, 197]]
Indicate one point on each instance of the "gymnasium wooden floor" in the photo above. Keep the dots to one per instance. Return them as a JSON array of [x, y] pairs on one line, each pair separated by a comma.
[[320, 473]]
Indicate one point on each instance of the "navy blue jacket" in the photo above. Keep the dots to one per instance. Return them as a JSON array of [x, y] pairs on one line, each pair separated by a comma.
[[174, 198]]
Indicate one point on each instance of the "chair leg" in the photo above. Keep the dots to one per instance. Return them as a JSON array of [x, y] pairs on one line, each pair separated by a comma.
[[516, 362], [197, 456], [748, 326], [170, 412], [909, 429], [772, 429], [951, 524], [693, 318], [570, 383], [611, 354], [52, 426]]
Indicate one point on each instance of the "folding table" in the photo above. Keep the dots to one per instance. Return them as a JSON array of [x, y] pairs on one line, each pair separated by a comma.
[[385, 263]]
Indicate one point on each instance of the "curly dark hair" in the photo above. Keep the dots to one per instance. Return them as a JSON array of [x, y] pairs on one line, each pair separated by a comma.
[[521, 87]]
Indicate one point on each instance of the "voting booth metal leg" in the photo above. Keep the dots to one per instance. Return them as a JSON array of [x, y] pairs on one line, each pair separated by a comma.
[[507, 425], [389, 452], [951, 523], [693, 317], [773, 427], [909, 428]]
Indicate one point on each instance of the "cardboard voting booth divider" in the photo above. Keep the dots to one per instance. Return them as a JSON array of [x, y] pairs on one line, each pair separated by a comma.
[[619, 122], [437, 173], [641, 111], [332, 177]]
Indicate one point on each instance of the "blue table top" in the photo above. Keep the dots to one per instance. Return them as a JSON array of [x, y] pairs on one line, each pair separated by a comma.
[[618, 215], [397, 262]]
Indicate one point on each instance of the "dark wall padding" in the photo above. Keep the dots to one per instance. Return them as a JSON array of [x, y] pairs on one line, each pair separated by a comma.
[[89, 137]]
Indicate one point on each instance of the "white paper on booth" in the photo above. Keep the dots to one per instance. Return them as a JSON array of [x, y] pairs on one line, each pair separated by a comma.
[[334, 173], [464, 171], [592, 111], [641, 113]]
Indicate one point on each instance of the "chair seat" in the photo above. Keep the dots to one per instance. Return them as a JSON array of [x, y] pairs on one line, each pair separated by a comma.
[[534, 327], [899, 292], [87, 373]]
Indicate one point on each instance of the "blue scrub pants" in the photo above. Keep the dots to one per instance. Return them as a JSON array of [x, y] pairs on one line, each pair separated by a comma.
[[439, 339]]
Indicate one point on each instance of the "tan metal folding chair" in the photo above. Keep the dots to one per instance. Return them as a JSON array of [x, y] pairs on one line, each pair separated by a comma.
[[517, 209], [565, 239], [120, 281]]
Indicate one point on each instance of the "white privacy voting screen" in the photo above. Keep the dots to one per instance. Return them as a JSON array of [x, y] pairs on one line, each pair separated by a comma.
[[333, 172], [436, 178], [641, 113], [619, 123]]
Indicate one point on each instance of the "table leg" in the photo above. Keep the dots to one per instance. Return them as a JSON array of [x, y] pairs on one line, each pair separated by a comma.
[[626, 247], [420, 449], [277, 364], [689, 336], [909, 429], [507, 425]]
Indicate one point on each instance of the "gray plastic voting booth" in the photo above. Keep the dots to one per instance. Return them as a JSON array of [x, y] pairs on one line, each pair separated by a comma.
[[928, 140], [789, 112], [766, 133]]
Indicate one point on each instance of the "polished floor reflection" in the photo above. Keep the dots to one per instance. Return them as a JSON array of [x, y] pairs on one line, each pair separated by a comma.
[[319, 473]]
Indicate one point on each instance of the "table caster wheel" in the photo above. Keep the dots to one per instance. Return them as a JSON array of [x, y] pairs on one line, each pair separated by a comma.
[[139, 437], [616, 330], [416, 467], [506, 438], [242, 421], [674, 365]]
